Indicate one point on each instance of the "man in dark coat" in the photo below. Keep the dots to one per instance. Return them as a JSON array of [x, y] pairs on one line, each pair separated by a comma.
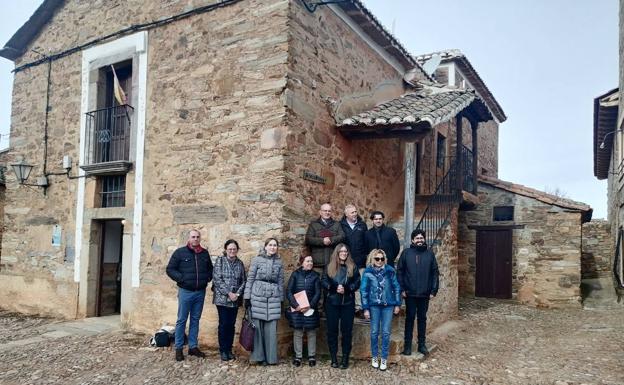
[[322, 237], [355, 237], [382, 237], [191, 268], [419, 279]]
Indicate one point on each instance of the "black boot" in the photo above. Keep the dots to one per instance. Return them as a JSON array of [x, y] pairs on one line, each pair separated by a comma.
[[179, 355], [196, 352], [345, 362], [224, 356], [407, 348], [230, 355], [334, 359], [422, 348]]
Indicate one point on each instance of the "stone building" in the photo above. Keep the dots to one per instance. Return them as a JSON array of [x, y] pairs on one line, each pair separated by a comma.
[[522, 243], [241, 117], [608, 146]]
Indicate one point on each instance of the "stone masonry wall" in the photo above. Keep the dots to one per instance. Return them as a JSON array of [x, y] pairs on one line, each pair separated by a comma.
[[598, 250], [329, 61], [214, 87], [546, 253], [2, 204]]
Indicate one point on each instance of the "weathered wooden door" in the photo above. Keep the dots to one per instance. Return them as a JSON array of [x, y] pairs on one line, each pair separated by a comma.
[[493, 276]]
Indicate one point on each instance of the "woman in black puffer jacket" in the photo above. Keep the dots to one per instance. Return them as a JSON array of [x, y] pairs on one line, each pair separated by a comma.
[[304, 279]]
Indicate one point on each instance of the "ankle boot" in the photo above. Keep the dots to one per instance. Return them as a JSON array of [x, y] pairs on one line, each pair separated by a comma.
[[407, 348], [345, 362], [334, 359], [422, 348], [179, 355]]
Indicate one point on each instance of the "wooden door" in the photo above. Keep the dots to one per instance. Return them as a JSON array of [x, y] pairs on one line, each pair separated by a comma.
[[493, 275]]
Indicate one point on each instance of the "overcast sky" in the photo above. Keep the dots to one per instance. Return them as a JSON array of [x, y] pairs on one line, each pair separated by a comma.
[[544, 61]]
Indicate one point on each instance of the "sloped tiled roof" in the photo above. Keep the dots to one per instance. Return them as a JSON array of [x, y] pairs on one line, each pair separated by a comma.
[[605, 124], [541, 196], [432, 105], [456, 56]]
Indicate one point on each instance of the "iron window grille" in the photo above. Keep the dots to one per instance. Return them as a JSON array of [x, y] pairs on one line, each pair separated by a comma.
[[113, 191]]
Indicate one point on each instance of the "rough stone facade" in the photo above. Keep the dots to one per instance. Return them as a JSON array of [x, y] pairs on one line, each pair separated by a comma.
[[546, 250], [213, 90], [239, 104], [598, 250]]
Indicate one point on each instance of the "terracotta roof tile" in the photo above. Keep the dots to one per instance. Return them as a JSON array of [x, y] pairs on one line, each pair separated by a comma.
[[426, 105], [539, 195], [455, 55]]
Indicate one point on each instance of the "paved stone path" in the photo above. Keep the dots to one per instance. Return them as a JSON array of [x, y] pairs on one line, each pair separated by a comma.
[[492, 342]]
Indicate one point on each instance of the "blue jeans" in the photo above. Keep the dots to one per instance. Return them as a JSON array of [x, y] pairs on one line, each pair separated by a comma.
[[380, 316], [189, 302]]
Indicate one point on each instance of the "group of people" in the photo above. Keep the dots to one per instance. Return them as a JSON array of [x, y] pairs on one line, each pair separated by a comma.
[[347, 270]]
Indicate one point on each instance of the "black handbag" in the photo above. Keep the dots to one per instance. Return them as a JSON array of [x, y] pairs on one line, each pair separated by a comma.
[[247, 333]]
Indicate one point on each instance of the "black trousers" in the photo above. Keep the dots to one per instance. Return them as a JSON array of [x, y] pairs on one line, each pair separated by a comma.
[[227, 321], [416, 307], [339, 316]]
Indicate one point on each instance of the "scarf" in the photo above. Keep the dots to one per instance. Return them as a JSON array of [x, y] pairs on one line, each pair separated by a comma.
[[380, 275], [197, 249]]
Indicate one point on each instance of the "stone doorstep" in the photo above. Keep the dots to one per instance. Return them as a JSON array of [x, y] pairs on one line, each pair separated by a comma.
[[84, 327]]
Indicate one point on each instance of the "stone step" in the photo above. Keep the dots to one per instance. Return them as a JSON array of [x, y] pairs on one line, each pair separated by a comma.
[[361, 341], [599, 293]]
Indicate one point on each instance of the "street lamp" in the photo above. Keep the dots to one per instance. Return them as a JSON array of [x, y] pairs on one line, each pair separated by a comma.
[[22, 171]]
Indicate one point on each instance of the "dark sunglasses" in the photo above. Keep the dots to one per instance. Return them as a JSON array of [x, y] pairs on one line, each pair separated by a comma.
[[379, 259]]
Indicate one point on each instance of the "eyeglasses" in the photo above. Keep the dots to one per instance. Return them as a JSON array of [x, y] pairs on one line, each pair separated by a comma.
[[379, 259]]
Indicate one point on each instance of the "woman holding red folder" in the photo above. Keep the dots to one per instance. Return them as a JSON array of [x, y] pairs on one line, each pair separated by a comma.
[[304, 292]]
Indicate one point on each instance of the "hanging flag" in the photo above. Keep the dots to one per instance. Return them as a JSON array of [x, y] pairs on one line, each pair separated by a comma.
[[120, 95]]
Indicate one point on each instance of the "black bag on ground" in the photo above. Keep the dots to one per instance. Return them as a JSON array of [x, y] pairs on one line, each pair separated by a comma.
[[161, 339]]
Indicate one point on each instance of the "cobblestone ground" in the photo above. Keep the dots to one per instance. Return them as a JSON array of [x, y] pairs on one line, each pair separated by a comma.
[[492, 342]]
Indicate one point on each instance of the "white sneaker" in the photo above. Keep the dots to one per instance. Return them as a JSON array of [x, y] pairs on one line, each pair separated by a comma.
[[375, 363], [384, 365]]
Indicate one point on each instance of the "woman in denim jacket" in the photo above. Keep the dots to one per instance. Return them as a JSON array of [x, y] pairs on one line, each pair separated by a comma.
[[381, 298]]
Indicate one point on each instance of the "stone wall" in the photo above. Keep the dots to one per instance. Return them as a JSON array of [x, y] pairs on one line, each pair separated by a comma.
[[215, 82], [328, 61], [598, 250], [2, 204], [546, 252]]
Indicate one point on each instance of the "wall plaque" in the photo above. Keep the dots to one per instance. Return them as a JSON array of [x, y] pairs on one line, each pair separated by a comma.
[[309, 175]]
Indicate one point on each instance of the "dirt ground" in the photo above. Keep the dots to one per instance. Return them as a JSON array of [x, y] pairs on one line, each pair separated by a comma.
[[492, 342]]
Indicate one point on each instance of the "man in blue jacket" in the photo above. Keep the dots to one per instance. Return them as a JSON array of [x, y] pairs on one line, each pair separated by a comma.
[[419, 279], [191, 268]]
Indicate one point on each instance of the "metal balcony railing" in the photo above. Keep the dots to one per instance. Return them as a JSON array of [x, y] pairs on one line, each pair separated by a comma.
[[108, 135], [447, 196]]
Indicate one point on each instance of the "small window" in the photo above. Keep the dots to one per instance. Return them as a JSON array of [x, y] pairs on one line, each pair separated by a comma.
[[503, 213], [113, 191], [441, 154]]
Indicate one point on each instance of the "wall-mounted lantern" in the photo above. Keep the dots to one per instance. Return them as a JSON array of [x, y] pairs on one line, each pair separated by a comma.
[[22, 172]]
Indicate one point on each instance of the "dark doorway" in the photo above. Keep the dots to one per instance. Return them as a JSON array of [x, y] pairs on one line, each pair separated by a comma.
[[493, 276], [109, 284]]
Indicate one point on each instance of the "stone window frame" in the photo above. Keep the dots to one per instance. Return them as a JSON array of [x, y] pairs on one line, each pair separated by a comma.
[[500, 208], [135, 47]]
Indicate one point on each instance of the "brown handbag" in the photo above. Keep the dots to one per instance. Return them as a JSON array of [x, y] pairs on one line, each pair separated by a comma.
[[247, 332]]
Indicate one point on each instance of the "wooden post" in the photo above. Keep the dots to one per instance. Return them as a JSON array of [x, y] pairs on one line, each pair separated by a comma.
[[475, 156], [410, 190], [458, 152]]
